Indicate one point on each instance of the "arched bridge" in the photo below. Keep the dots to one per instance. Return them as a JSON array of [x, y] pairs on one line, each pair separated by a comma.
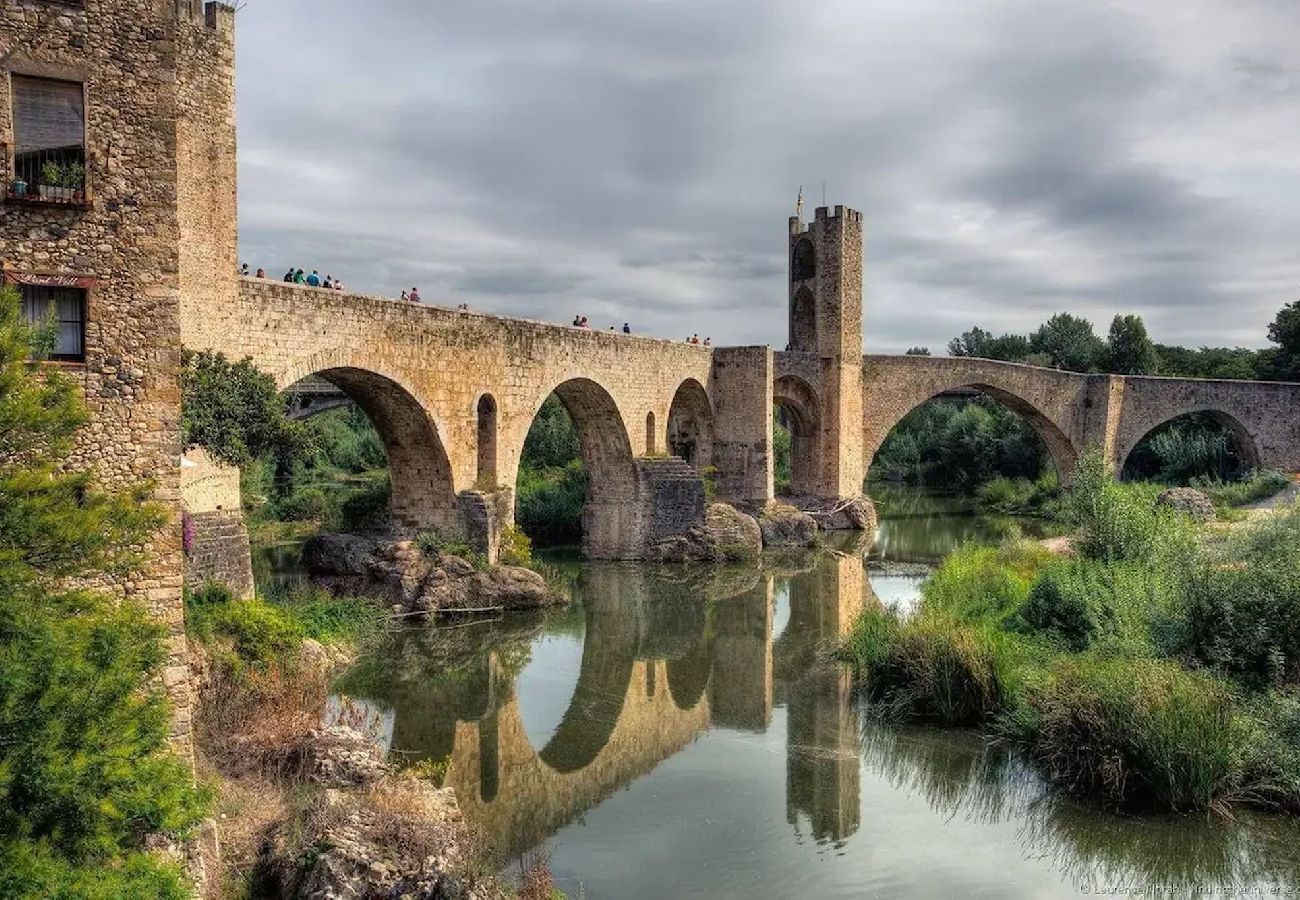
[[454, 392]]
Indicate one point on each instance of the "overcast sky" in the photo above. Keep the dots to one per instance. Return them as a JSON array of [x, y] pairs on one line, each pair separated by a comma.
[[637, 159]]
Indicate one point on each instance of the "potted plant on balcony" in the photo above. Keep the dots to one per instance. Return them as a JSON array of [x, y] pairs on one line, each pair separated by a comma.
[[62, 182], [51, 181], [74, 179]]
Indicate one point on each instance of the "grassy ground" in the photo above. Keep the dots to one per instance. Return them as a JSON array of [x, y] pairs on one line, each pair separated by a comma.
[[1153, 669]]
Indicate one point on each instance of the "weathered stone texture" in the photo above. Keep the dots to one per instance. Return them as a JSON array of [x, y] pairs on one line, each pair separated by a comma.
[[135, 59]]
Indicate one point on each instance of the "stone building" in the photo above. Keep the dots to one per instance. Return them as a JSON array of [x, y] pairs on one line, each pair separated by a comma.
[[114, 117]]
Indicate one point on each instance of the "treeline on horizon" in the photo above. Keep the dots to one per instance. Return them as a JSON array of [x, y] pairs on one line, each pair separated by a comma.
[[1069, 342]]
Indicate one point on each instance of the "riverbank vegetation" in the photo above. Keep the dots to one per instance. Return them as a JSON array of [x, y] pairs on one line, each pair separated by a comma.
[[87, 778], [1156, 668]]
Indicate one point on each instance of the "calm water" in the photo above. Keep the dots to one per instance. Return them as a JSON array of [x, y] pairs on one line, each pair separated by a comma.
[[678, 734]]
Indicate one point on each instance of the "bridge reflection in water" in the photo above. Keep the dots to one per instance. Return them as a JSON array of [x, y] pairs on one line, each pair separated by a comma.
[[665, 657]]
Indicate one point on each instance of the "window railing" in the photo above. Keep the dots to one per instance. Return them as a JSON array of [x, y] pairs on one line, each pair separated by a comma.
[[54, 175]]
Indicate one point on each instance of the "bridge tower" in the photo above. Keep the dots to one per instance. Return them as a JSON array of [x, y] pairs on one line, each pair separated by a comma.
[[825, 349]]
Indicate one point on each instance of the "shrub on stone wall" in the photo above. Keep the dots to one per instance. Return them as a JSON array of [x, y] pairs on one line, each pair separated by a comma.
[[85, 771]]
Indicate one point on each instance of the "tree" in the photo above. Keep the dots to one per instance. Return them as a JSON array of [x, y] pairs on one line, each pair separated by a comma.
[[979, 343], [970, 343], [1129, 350], [85, 771], [234, 411], [1284, 331], [1069, 342], [918, 351]]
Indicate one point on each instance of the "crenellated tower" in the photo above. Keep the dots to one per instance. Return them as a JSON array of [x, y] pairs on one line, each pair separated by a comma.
[[825, 350]]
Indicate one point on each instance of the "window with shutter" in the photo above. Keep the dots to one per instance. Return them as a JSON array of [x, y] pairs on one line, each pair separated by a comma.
[[49, 122]]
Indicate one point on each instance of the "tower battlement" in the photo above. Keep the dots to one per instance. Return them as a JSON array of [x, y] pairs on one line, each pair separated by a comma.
[[211, 14]]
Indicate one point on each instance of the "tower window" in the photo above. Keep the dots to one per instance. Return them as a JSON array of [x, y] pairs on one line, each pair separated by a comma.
[[49, 124], [802, 264], [65, 309]]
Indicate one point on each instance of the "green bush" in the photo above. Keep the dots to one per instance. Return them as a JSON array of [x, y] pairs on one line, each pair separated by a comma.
[[433, 542], [1271, 758], [550, 501], [984, 584], [309, 504], [86, 773], [516, 549], [265, 632], [234, 411], [366, 506], [1258, 485], [932, 668], [1134, 733], [1121, 521], [1071, 601], [1243, 605]]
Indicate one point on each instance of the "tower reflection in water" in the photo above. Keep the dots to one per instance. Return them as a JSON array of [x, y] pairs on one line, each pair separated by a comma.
[[665, 656]]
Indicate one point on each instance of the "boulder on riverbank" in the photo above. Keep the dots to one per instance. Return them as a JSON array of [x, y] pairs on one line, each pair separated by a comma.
[[852, 514], [417, 581], [1188, 501], [783, 525], [725, 535]]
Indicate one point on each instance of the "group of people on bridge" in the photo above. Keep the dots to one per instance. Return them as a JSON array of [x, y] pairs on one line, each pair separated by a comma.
[[298, 276], [581, 322]]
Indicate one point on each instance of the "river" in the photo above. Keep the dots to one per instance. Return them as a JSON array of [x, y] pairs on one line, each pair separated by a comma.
[[679, 733]]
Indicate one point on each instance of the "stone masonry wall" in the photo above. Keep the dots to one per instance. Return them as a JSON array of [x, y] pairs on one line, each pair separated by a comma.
[[129, 56], [218, 547]]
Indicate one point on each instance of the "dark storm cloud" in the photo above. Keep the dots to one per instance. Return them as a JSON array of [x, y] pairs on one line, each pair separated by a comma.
[[638, 160]]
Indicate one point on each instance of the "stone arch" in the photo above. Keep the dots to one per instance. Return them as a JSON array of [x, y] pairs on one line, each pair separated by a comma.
[[611, 515], [609, 648], [803, 261], [690, 425], [423, 492], [486, 413], [1060, 448], [797, 400], [803, 321], [650, 442], [1243, 441]]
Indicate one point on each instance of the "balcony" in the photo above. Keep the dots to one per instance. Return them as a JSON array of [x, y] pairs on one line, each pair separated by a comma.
[[47, 177]]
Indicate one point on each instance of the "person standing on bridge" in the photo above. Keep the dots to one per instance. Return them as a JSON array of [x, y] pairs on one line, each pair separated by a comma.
[[415, 295], [298, 277], [261, 273], [313, 280], [288, 276], [626, 329], [243, 270]]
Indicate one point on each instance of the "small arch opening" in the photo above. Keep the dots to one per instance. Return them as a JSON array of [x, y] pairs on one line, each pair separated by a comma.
[[577, 481], [803, 262], [803, 321], [1196, 447], [690, 425], [795, 425], [650, 448], [487, 443]]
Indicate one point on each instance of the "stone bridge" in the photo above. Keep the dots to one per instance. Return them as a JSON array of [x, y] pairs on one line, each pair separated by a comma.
[[453, 393]]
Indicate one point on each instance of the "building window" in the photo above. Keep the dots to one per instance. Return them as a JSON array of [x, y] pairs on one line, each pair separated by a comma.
[[49, 123], [63, 307]]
